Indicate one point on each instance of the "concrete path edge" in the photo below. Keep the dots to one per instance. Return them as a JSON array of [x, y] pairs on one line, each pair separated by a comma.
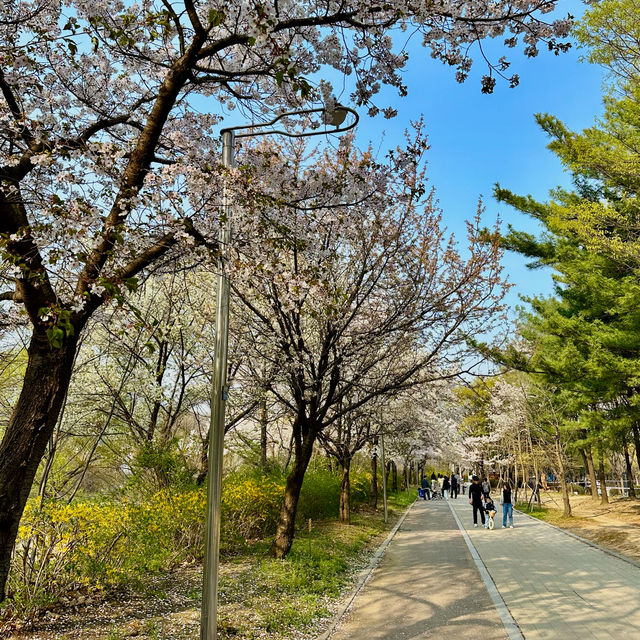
[[510, 625], [595, 545], [363, 577]]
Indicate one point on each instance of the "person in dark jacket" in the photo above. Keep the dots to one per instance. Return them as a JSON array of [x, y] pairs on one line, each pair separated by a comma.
[[424, 485], [475, 500], [446, 485], [454, 486]]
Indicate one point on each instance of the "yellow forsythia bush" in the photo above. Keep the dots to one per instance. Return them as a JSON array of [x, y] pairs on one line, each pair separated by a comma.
[[108, 542], [103, 543], [360, 486], [99, 543], [250, 507]]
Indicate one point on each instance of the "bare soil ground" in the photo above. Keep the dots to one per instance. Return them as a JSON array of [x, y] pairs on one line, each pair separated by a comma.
[[615, 526]]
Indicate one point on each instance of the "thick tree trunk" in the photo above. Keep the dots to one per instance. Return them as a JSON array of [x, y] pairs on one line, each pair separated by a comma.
[[25, 440], [285, 531], [627, 461], [604, 498], [394, 477], [592, 472], [345, 492], [373, 489]]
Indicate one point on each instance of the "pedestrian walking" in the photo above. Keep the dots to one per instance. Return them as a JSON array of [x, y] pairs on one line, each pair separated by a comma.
[[433, 477], [446, 485], [475, 500], [454, 486], [426, 492], [486, 487], [507, 506]]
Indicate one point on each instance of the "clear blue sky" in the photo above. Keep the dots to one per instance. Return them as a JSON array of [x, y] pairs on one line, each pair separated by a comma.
[[477, 140]]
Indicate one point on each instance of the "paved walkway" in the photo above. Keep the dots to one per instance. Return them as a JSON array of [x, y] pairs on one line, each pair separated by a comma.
[[556, 587], [426, 586]]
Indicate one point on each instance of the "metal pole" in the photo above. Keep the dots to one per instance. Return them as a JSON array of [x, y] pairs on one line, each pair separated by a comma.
[[384, 476], [219, 393]]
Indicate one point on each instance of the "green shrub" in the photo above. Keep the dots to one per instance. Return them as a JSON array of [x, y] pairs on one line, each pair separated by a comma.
[[156, 466]]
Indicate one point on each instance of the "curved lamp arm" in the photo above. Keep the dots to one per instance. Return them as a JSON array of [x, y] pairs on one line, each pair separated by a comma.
[[252, 133]]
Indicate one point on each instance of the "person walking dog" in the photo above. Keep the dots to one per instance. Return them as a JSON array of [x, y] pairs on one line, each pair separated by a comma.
[[475, 500], [507, 506]]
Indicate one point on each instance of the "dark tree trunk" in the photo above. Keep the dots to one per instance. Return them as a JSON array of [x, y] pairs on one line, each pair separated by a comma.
[[285, 532], [25, 440], [263, 433], [394, 477], [373, 489], [627, 461], [592, 472], [345, 492], [388, 472], [604, 498]]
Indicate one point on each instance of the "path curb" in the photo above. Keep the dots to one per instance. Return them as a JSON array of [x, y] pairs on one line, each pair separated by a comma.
[[364, 576], [595, 545], [508, 621]]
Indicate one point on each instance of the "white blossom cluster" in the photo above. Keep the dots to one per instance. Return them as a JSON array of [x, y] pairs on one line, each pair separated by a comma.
[[110, 108]]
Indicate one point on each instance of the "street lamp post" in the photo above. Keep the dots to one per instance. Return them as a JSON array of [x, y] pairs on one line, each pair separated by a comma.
[[334, 117]]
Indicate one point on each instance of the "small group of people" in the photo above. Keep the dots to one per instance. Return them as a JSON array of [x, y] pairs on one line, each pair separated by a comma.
[[441, 483], [481, 501]]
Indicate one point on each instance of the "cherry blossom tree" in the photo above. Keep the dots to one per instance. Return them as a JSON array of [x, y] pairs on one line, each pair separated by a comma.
[[364, 296], [108, 165]]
